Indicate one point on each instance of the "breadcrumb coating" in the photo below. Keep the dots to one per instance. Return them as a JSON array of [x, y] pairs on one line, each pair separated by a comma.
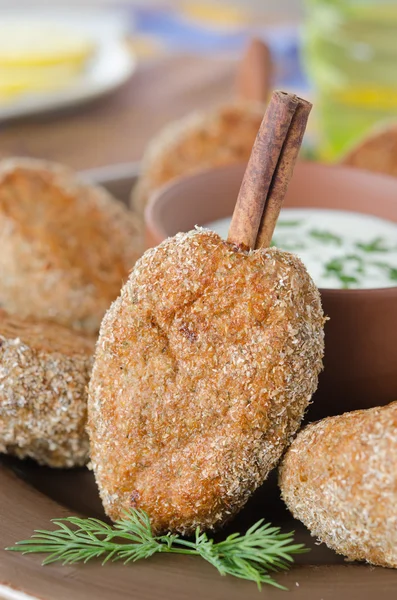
[[203, 369], [339, 477], [44, 372], [196, 142], [66, 247]]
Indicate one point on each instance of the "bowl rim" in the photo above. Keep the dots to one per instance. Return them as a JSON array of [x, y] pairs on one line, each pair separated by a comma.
[[159, 193], [111, 173]]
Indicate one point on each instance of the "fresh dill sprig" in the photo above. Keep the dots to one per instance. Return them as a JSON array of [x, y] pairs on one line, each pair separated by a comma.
[[253, 556]]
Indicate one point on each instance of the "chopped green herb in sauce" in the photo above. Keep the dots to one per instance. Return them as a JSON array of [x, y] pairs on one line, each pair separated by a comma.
[[392, 272], [286, 244], [326, 236], [377, 245], [346, 269], [340, 249], [346, 280], [288, 223]]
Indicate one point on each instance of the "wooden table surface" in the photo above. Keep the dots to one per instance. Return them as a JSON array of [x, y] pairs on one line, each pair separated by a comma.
[[115, 128]]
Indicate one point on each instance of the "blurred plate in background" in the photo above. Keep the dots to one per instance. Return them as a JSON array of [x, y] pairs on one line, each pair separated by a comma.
[[75, 56]]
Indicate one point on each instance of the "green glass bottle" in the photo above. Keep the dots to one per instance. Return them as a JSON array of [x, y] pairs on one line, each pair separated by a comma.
[[350, 54]]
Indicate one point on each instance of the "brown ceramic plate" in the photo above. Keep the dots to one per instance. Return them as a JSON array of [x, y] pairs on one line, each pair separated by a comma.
[[31, 495]]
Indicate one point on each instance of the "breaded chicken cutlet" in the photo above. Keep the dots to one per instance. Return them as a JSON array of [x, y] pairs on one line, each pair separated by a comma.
[[44, 372], [210, 138], [339, 477], [196, 142], [66, 246], [203, 370], [377, 152]]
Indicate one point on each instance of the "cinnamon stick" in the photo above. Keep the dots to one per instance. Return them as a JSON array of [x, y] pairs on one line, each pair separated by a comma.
[[269, 171], [255, 72], [283, 173]]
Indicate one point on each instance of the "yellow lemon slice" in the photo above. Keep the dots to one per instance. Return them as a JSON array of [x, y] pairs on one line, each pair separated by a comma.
[[18, 80], [28, 45]]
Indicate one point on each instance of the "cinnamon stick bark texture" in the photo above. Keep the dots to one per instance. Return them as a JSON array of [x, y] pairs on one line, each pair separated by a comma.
[[283, 173], [255, 73], [269, 170]]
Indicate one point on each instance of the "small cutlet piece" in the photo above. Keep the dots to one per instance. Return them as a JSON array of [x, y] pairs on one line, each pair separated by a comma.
[[203, 370], [377, 152], [66, 247], [197, 142], [44, 373], [339, 477]]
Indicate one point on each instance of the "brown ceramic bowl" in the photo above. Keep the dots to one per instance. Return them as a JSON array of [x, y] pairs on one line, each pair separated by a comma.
[[360, 367]]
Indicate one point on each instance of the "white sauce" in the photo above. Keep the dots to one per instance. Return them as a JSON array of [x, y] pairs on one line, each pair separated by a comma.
[[340, 249]]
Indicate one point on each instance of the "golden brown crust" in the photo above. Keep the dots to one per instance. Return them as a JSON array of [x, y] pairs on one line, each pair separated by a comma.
[[339, 477], [66, 247], [198, 141], [44, 372], [203, 369], [377, 152]]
